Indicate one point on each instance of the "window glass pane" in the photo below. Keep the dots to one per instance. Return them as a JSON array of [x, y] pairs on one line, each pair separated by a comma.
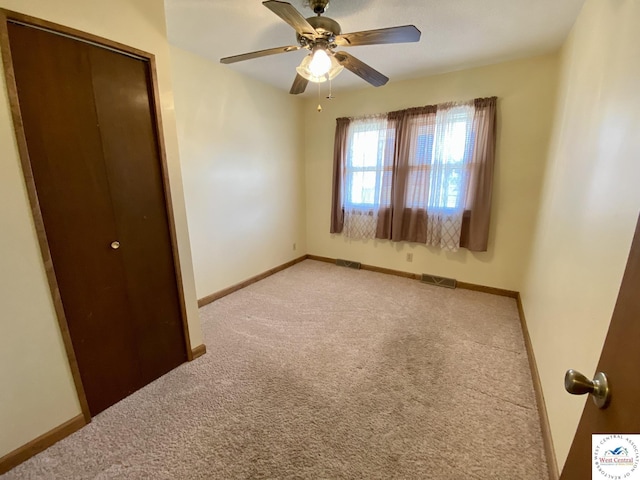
[[363, 187], [423, 148], [455, 142], [368, 146], [364, 149], [453, 187], [436, 176]]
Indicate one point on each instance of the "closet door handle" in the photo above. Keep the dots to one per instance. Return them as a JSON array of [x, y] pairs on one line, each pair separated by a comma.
[[115, 245]]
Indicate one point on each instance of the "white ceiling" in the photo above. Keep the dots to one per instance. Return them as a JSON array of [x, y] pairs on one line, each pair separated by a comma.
[[456, 34]]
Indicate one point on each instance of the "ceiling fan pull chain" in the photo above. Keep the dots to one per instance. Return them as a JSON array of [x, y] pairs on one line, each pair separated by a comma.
[[330, 97], [319, 106]]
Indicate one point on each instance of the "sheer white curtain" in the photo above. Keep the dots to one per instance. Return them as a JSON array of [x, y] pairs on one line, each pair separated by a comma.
[[449, 174], [367, 175]]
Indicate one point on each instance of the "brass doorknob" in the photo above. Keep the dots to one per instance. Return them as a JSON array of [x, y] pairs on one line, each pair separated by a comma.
[[115, 245], [577, 384]]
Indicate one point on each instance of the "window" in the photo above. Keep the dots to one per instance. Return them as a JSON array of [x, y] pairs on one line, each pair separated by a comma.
[[367, 176], [364, 168], [441, 164], [436, 168], [412, 175]]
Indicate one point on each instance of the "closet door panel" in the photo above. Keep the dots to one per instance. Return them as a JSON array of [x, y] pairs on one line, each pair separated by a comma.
[[53, 76], [121, 87]]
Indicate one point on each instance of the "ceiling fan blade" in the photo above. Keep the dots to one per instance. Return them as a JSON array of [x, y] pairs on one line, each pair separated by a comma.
[[289, 14], [299, 85], [259, 53], [403, 34], [361, 69]]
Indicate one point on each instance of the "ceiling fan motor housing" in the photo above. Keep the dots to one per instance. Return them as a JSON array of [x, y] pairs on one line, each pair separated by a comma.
[[325, 26]]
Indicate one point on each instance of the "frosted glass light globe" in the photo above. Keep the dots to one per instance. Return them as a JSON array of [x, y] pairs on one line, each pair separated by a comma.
[[320, 63]]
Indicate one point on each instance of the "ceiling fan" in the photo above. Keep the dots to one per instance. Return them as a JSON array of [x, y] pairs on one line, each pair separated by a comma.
[[321, 35]]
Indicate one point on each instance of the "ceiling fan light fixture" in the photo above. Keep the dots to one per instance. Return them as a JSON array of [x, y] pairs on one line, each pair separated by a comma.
[[336, 68], [320, 63], [305, 69]]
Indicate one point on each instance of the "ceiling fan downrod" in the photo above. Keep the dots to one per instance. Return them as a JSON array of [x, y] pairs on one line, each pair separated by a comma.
[[318, 6]]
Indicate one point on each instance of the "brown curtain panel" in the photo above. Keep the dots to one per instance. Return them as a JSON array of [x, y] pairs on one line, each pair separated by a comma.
[[475, 232], [385, 212], [408, 222], [339, 161]]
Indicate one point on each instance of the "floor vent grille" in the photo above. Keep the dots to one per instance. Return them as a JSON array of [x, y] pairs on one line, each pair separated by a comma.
[[438, 281], [349, 264]]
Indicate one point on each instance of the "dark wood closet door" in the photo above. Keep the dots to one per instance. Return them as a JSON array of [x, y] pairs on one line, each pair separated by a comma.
[[93, 152], [121, 87]]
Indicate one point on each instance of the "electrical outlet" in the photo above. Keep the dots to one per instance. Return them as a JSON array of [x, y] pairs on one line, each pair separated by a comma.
[[294, 246], [409, 257]]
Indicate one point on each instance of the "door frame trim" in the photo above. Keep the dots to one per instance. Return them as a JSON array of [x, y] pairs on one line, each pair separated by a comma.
[[7, 16]]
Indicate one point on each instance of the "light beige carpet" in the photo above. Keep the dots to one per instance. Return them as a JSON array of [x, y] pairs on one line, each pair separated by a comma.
[[322, 372]]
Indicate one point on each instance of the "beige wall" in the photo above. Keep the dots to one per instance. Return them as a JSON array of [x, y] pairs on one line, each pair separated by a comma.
[[590, 204], [37, 392], [241, 151], [231, 127], [526, 91]]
